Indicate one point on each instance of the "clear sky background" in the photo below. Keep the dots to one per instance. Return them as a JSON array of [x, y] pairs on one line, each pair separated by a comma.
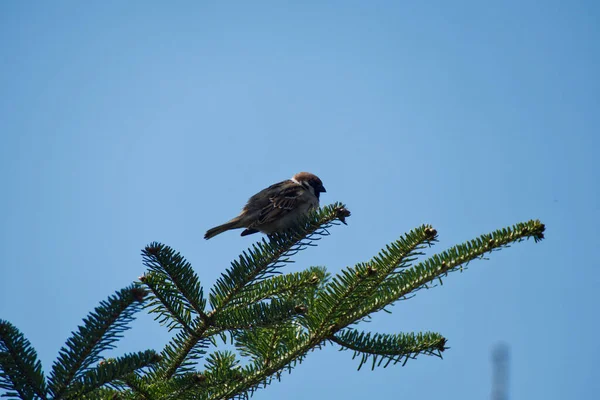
[[123, 123]]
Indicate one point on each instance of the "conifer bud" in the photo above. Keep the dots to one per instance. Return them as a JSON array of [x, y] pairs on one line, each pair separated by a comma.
[[138, 293], [301, 309]]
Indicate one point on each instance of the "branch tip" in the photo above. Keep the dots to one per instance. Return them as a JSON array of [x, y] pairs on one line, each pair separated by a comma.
[[442, 345], [540, 235], [341, 214], [138, 293], [430, 232], [153, 248]]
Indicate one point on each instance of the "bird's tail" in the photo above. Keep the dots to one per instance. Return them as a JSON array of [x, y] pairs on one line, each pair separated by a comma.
[[233, 224]]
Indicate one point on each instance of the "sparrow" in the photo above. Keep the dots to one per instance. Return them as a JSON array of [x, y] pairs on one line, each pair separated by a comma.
[[276, 208]]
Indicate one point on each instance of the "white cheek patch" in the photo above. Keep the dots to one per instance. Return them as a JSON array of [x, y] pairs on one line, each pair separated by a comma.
[[305, 185]]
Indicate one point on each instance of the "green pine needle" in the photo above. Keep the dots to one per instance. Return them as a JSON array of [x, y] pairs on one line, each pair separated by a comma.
[[20, 369], [170, 267], [273, 320], [101, 330], [387, 348], [111, 370], [256, 315]]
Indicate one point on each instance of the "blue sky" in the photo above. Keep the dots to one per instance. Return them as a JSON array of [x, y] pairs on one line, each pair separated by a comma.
[[124, 123]]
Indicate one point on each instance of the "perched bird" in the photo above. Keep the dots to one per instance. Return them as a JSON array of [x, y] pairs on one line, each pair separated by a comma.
[[276, 208]]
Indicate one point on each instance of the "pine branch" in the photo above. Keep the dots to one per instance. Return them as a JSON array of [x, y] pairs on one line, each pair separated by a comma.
[[173, 268], [454, 259], [20, 369], [108, 371], [222, 365], [398, 255], [105, 393], [257, 315], [254, 265], [356, 285], [166, 301], [389, 348], [180, 354], [264, 345], [101, 329], [265, 258], [138, 386], [277, 320], [391, 289], [288, 286], [273, 346], [221, 369], [254, 377], [187, 386], [176, 297]]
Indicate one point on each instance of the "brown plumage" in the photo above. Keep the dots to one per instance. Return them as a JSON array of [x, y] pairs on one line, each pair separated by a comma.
[[276, 208]]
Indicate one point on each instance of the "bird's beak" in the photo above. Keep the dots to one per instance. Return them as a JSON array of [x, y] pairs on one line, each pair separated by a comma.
[[322, 189]]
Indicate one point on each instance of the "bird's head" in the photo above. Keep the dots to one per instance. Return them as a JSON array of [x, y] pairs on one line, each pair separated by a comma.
[[310, 181]]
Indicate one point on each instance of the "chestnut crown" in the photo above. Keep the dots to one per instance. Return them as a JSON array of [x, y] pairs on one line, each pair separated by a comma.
[[310, 179]]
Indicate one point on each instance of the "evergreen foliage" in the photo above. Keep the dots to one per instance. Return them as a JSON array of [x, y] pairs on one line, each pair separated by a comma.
[[272, 319], [74, 374]]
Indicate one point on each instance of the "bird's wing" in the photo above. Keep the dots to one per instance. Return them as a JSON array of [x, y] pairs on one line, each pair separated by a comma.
[[281, 203]]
